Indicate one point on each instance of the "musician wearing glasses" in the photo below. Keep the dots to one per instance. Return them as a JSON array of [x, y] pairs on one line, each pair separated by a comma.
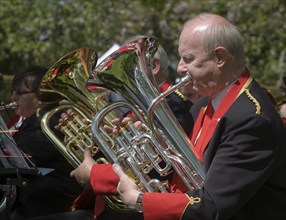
[[238, 136], [53, 190]]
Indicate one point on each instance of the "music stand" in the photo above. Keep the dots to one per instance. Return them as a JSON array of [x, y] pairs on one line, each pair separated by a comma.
[[15, 168]]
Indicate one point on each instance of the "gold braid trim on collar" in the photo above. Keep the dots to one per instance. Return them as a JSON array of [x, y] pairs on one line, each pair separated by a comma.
[[248, 94], [255, 102]]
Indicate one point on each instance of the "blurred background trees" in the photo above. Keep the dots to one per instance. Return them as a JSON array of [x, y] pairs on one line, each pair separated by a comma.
[[42, 31]]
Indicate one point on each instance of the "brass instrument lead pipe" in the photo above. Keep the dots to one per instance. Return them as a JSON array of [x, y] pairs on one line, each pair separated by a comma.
[[150, 113]]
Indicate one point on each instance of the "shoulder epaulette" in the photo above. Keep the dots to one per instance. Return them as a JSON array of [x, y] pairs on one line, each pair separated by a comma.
[[255, 102]]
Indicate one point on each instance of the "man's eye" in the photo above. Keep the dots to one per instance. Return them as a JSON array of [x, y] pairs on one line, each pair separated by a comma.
[[188, 59]]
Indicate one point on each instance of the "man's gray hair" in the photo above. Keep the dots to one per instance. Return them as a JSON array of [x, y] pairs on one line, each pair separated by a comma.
[[221, 33]]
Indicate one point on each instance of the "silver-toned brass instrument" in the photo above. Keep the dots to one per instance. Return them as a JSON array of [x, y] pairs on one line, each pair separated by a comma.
[[163, 146]]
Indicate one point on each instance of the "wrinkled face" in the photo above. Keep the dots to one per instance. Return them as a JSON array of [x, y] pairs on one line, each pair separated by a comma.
[[195, 62], [26, 100]]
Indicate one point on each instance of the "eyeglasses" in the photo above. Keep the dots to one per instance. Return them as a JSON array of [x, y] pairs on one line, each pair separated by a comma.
[[19, 93]]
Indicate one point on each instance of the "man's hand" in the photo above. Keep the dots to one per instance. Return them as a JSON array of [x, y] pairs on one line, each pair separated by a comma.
[[126, 188], [82, 173]]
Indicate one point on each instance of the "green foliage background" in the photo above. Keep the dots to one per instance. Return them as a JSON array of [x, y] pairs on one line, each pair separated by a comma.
[[42, 31]]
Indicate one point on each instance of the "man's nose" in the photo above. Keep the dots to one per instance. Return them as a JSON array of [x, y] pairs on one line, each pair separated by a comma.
[[181, 69]]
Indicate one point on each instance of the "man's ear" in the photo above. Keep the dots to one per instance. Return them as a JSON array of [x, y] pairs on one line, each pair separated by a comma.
[[221, 54], [155, 66]]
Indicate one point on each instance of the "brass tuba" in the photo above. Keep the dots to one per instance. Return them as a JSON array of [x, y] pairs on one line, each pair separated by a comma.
[[164, 146]]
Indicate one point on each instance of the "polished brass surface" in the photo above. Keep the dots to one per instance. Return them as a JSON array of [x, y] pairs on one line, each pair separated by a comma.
[[65, 83], [163, 146], [148, 155]]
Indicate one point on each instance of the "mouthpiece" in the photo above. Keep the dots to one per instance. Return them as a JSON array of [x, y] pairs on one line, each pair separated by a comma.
[[185, 80]]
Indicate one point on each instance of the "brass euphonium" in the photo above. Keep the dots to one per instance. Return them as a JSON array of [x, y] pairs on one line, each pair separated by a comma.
[[67, 81], [164, 146]]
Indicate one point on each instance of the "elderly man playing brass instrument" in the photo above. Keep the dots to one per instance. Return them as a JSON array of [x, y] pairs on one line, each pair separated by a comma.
[[106, 181], [180, 108], [238, 136]]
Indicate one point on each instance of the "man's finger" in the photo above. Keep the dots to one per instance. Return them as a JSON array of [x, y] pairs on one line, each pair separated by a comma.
[[87, 152], [72, 174], [108, 128], [118, 171]]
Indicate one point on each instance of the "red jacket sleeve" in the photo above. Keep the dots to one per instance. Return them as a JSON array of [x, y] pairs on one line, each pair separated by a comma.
[[103, 179]]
